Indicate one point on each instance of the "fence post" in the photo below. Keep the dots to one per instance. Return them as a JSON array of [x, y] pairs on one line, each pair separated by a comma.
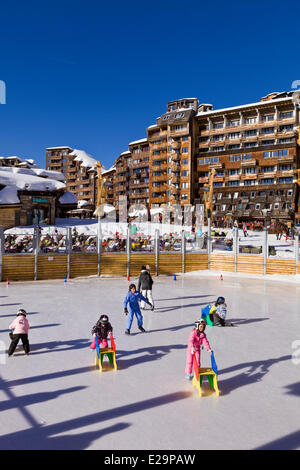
[[296, 247], [1, 250], [36, 239], [265, 249], [69, 251], [128, 248], [99, 244], [183, 251], [235, 248], [208, 241], [156, 247]]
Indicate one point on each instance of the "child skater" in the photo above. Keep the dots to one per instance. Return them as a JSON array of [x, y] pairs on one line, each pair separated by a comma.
[[132, 298], [102, 329], [218, 313], [20, 325], [197, 338]]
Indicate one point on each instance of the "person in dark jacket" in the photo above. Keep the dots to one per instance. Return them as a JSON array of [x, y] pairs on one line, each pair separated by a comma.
[[145, 284], [101, 329]]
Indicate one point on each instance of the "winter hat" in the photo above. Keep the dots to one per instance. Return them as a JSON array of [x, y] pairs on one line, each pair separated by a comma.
[[220, 300], [104, 319], [200, 322], [21, 312]]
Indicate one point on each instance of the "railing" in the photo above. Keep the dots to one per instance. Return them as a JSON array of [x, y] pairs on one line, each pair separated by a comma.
[[48, 254]]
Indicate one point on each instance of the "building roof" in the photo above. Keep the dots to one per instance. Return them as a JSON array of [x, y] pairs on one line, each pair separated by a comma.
[[84, 158], [57, 148], [250, 105], [141, 141]]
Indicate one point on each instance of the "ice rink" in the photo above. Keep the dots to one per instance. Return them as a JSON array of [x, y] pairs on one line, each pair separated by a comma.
[[55, 398]]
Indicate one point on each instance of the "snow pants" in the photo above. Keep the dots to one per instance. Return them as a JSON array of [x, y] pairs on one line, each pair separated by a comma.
[[102, 343], [14, 343], [148, 295], [131, 314], [189, 360]]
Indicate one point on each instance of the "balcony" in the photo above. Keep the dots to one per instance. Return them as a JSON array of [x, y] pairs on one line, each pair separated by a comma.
[[162, 156], [143, 164], [159, 178]]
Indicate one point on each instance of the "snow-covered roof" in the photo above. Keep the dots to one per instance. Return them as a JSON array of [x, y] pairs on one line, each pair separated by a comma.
[[141, 141], [151, 127], [68, 198], [23, 179], [57, 148], [259, 103], [22, 161], [125, 153], [84, 158], [112, 168], [82, 203]]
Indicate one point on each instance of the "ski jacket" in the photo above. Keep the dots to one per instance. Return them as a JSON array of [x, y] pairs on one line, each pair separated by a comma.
[[196, 341], [145, 280], [102, 331], [221, 310], [20, 325], [133, 301]]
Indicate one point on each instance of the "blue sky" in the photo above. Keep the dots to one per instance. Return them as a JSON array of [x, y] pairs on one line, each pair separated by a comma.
[[94, 75]]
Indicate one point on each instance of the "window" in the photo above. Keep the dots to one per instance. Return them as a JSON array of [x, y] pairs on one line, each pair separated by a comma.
[[276, 153], [185, 150], [249, 183], [219, 149], [218, 184], [156, 152], [238, 158], [267, 181], [250, 144], [285, 167], [276, 205], [268, 117], [220, 195], [286, 180], [250, 133], [267, 169], [185, 139], [286, 115], [290, 192], [218, 137], [207, 161], [267, 130], [233, 123], [218, 125], [257, 207], [286, 140], [234, 146], [235, 195], [248, 171], [223, 207], [234, 171], [286, 128], [251, 120], [267, 142], [185, 173], [233, 183], [184, 197], [234, 135], [184, 185], [184, 161], [262, 193]]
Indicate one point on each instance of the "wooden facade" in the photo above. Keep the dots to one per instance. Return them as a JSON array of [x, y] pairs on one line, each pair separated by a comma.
[[59, 266]]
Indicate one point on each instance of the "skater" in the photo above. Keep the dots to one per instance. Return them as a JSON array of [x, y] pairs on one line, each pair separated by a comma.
[[146, 282], [197, 338], [132, 298], [245, 229], [20, 326], [218, 313], [101, 330]]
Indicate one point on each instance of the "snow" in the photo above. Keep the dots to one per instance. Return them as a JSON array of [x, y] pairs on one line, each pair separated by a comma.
[[84, 158], [68, 198], [24, 179], [25, 161], [259, 103], [141, 141], [56, 399]]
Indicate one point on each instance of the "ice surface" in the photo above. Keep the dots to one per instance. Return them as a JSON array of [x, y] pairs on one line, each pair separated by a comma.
[[56, 399]]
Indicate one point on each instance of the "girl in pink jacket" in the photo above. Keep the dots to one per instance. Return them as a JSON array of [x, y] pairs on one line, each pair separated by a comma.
[[197, 338], [20, 326]]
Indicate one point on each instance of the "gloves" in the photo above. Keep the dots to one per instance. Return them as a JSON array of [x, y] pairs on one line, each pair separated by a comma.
[[125, 311], [152, 308]]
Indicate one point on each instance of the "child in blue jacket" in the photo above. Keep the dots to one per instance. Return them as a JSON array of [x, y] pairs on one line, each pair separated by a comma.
[[132, 298]]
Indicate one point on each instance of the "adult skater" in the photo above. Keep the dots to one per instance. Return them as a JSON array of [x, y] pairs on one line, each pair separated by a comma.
[[197, 338], [145, 284], [20, 325], [132, 299]]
